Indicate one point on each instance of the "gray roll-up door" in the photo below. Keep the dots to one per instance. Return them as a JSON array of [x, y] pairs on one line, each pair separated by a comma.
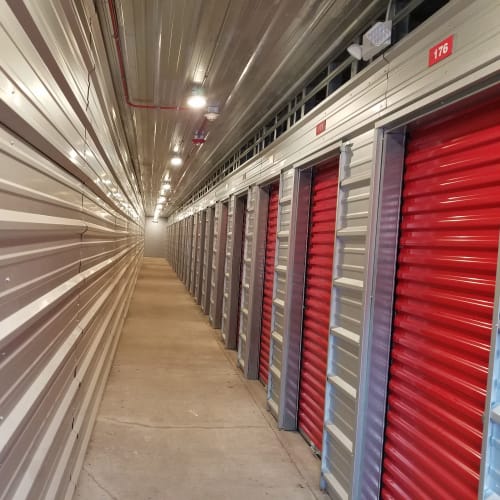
[[200, 251]]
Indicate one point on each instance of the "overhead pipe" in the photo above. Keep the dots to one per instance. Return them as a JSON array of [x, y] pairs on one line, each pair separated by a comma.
[[116, 36]]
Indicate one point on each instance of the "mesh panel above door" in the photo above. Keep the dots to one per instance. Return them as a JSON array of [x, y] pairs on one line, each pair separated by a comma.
[[448, 245]]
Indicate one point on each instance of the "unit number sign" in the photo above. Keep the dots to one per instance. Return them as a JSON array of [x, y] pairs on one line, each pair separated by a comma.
[[441, 51]]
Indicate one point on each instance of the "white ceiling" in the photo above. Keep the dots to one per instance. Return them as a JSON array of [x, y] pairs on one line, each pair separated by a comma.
[[247, 54]]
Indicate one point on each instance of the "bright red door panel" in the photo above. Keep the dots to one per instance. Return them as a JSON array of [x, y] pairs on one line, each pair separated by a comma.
[[445, 283], [317, 302], [267, 298]]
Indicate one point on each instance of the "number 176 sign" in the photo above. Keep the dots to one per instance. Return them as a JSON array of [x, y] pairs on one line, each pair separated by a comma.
[[441, 51]]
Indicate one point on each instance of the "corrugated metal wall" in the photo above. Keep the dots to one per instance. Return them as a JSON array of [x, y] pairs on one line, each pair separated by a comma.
[[71, 241]]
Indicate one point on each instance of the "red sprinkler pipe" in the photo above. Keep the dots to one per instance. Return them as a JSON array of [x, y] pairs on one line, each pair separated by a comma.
[[116, 36]]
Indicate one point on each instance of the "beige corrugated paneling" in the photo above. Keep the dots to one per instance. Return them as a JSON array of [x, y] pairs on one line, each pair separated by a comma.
[[71, 239], [246, 275]]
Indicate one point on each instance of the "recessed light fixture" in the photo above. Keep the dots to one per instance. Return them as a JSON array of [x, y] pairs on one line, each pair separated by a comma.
[[197, 99], [162, 199], [167, 186], [176, 161], [212, 113]]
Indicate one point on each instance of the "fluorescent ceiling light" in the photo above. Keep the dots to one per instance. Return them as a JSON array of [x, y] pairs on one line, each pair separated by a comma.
[[176, 161], [162, 199], [197, 99]]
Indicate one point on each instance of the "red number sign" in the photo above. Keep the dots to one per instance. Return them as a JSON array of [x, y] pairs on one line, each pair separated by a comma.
[[321, 127], [441, 51]]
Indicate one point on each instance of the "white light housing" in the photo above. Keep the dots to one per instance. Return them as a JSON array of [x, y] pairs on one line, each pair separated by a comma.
[[167, 186], [356, 51], [176, 161], [212, 113], [197, 99], [162, 199]]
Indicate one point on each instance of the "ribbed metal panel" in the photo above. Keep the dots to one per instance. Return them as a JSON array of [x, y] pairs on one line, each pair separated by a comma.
[[71, 241], [347, 311], [280, 270], [246, 275], [226, 297], [447, 263], [207, 260], [218, 264], [317, 296], [268, 286]]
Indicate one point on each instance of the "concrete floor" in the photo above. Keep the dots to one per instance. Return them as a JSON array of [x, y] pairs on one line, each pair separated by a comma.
[[179, 421]]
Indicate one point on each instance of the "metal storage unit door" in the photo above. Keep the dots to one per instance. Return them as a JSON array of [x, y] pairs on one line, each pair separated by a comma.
[[267, 294], [443, 309], [318, 285]]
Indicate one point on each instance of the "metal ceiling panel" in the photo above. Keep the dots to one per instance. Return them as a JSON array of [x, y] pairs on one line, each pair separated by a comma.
[[244, 54]]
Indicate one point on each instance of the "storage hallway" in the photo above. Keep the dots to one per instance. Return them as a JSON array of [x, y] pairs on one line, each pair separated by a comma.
[[249, 249]]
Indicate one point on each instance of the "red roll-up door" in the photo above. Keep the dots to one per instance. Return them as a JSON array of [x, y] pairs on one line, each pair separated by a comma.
[[447, 259], [267, 296], [318, 287]]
